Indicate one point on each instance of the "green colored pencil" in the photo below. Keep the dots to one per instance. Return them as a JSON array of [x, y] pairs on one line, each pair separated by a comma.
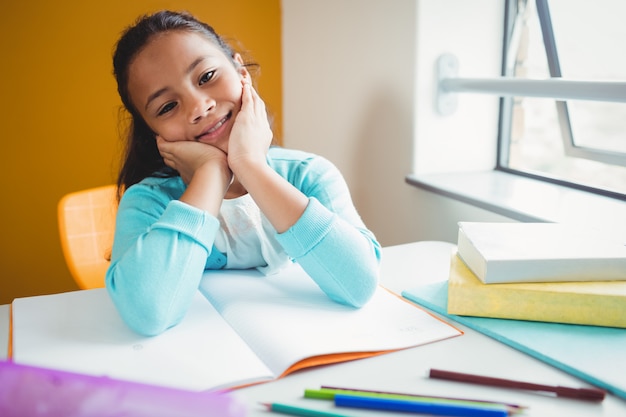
[[328, 393]]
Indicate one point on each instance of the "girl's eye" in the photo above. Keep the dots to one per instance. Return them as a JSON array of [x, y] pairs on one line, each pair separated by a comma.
[[206, 77], [167, 108]]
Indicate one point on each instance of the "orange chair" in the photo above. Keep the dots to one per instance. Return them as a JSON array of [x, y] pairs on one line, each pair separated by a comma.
[[86, 226]]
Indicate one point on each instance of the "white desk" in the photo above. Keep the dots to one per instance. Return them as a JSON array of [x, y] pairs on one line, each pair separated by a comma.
[[405, 266]]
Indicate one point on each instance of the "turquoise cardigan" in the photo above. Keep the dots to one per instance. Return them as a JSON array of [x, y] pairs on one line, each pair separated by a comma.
[[163, 246]]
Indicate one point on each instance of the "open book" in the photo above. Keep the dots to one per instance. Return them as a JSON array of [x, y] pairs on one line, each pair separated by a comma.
[[254, 328]]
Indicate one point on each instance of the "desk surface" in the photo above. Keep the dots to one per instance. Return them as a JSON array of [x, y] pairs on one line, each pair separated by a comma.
[[406, 266]]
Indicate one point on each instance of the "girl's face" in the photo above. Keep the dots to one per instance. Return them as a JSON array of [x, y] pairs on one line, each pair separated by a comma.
[[186, 88]]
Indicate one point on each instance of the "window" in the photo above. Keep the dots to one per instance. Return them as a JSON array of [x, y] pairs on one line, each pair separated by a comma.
[[581, 143]]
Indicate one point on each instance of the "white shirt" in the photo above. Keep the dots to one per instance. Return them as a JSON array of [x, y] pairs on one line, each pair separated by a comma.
[[247, 237]]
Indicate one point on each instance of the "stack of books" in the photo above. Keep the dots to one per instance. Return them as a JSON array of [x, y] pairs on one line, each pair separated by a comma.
[[540, 272]]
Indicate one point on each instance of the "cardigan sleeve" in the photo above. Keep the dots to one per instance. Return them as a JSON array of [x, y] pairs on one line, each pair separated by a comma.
[[330, 240], [160, 250]]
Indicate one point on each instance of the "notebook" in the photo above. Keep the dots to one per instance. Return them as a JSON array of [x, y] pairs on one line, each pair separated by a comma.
[[242, 328]]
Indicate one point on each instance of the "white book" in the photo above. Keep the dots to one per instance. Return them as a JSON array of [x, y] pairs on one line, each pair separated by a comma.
[[540, 252], [242, 328]]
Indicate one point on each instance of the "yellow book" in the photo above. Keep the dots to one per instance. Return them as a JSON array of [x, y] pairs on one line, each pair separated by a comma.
[[591, 303]]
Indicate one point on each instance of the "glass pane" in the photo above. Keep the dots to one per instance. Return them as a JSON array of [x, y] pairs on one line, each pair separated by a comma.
[[598, 124], [590, 48], [537, 129]]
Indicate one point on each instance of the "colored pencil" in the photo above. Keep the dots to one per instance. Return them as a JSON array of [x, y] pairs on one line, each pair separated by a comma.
[[328, 394], [299, 411], [432, 408], [326, 390], [590, 394]]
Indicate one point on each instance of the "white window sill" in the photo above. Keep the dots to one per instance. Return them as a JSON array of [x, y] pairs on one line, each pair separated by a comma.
[[526, 199]]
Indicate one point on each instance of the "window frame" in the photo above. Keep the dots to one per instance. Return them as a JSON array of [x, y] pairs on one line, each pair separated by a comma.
[[567, 136]]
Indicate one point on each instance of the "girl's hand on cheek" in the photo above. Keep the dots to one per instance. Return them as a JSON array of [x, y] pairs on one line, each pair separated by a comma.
[[187, 157], [251, 135]]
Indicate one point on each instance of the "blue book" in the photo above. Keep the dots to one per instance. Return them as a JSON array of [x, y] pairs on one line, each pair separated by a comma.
[[593, 354]]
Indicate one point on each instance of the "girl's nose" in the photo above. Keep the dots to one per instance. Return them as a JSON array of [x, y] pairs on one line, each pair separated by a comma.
[[201, 106]]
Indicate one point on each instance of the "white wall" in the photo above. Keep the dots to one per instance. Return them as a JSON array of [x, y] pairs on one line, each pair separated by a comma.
[[359, 90], [471, 30]]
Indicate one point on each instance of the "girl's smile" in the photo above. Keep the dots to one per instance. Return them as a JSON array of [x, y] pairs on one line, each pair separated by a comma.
[[185, 88], [215, 130]]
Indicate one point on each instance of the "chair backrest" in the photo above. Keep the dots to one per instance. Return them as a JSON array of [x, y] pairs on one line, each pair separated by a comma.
[[86, 226]]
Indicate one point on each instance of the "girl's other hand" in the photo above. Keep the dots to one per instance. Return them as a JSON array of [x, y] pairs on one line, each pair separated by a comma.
[[187, 157], [251, 135]]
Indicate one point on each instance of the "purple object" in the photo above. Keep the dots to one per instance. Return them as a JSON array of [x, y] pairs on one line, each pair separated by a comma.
[[27, 391]]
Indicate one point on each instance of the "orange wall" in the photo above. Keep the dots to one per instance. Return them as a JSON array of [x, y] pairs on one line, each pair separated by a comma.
[[59, 113]]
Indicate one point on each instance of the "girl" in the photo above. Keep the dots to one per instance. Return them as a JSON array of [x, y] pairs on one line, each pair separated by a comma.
[[204, 190]]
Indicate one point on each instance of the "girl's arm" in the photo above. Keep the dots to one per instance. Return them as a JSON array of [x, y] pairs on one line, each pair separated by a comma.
[[164, 235], [330, 240], [159, 253], [313, 214], [249, 141], [319, 227]]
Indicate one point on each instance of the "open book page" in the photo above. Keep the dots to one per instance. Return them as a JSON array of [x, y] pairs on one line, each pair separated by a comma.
[[82, 332], [286, 317]]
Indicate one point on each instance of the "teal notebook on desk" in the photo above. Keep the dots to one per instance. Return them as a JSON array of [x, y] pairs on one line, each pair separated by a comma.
[[596, 355]]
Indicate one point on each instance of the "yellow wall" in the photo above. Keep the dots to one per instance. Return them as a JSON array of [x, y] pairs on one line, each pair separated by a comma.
[[59, 112]]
